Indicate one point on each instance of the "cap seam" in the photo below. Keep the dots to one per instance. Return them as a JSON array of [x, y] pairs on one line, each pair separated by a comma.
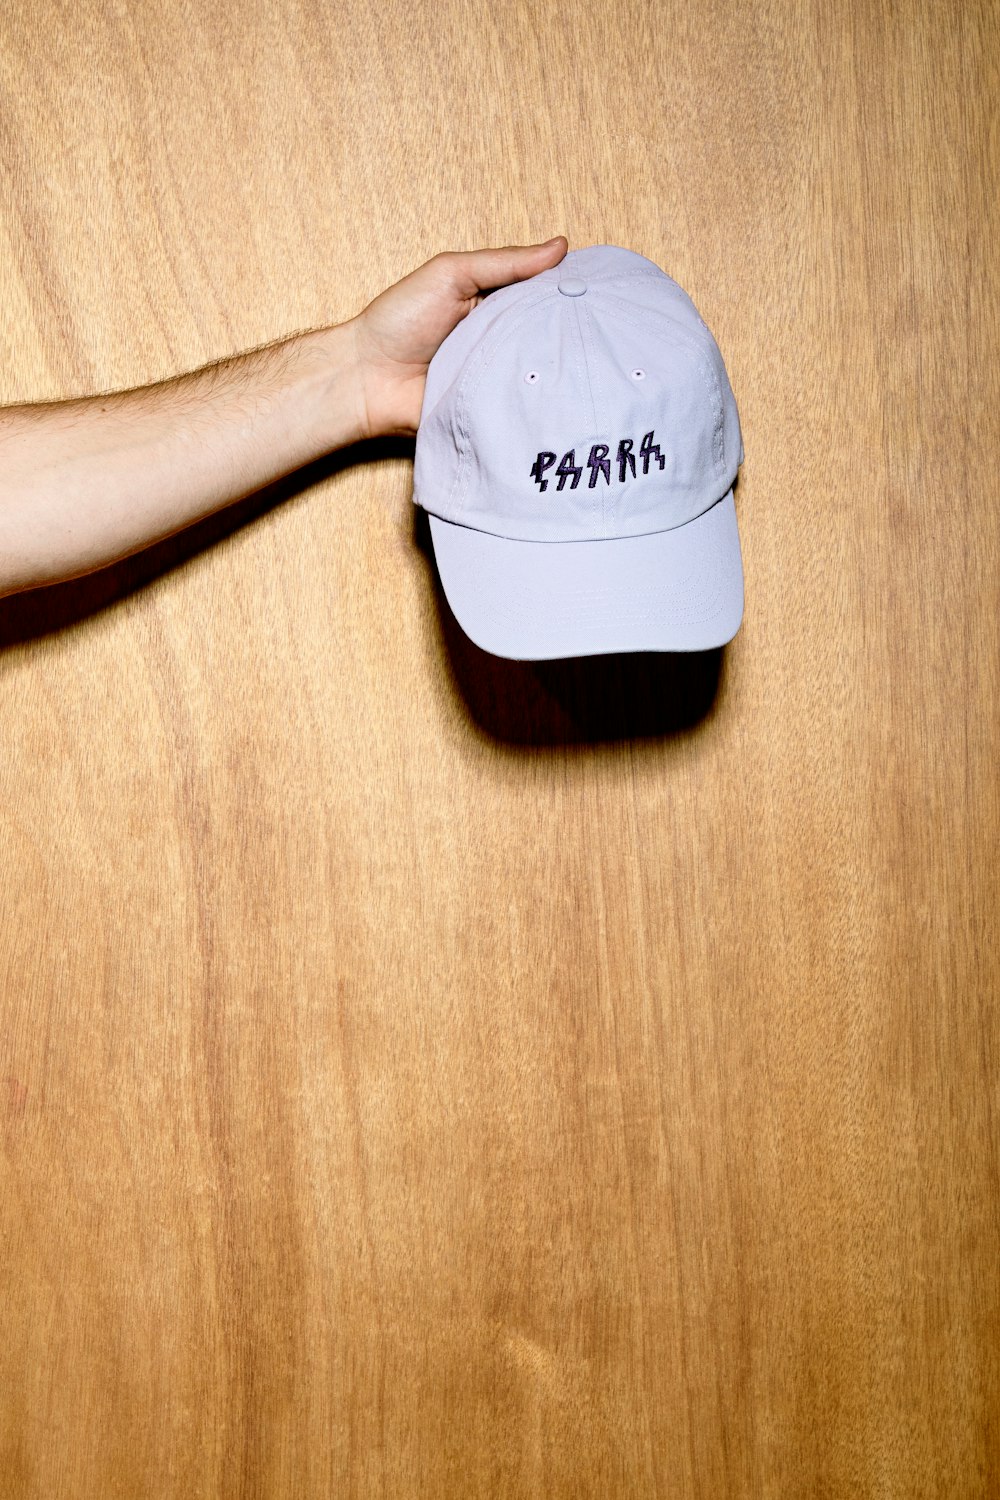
[[578, 541], [704, 364], [485, 350], [581, 317]]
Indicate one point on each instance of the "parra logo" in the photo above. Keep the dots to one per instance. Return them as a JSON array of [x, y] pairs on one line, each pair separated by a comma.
[[598, 463]]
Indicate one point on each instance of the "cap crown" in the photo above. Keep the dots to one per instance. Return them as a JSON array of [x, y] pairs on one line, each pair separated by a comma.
[[554, 417]]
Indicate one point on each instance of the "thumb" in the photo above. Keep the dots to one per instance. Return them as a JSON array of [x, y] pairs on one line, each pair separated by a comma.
[[479, 270]]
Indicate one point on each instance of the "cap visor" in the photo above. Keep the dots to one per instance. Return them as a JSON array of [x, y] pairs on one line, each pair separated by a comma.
[[679, 590]]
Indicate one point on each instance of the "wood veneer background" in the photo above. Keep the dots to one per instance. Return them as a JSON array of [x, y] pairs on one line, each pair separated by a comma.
[[422, 1075]]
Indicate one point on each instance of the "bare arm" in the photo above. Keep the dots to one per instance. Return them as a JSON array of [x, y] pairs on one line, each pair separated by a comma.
[[86, 482]]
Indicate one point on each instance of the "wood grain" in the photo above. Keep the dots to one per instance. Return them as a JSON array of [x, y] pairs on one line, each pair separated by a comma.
[[427, 1076]]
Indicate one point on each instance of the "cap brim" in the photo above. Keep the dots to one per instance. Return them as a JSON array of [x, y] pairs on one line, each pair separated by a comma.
[[678, 590]]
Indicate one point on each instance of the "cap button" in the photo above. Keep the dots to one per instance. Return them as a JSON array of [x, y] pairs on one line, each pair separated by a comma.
[[572, 286]]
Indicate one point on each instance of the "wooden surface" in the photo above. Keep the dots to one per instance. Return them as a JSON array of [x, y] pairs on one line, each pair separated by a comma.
[[422, 1075]]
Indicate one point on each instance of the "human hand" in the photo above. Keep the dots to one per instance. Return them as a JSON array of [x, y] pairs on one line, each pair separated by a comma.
[[398, 333]]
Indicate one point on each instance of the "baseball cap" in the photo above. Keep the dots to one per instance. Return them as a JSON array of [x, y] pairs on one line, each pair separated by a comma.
[[576, 452]]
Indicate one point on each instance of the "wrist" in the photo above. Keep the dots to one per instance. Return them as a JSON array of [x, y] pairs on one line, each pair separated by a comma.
[[391, 389], [329, 385]]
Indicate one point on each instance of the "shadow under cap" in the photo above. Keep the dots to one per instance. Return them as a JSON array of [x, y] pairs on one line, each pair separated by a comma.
[[588, 700]]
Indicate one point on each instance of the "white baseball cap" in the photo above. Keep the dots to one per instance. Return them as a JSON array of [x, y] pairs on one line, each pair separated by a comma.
[[577, 448]]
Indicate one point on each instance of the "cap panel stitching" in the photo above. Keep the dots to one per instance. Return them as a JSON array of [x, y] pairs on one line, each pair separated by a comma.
[[484, 352], [705, 363], [598, 403], [584, 365]]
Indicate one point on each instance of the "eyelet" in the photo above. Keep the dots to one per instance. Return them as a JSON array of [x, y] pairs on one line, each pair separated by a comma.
[[531, 376], [638, 374]]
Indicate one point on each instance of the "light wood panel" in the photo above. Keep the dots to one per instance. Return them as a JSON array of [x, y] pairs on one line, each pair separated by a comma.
[[422, 1075]]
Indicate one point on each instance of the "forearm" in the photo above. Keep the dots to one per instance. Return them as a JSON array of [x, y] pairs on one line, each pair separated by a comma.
[[86, 482]]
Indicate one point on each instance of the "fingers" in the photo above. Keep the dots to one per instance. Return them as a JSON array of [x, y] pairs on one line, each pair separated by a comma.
[[480, 270]]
